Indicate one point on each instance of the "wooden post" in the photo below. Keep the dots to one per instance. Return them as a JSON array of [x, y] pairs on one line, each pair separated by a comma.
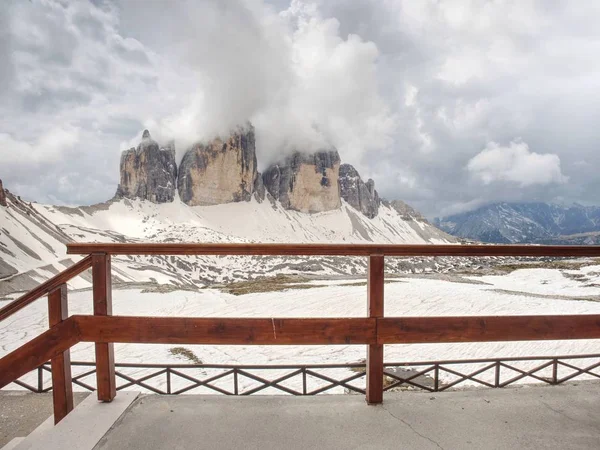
[[62, 387], [105, 358], [375, 310]]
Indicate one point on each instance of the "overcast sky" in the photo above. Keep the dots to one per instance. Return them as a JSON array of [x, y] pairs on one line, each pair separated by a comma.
[[448, 105]]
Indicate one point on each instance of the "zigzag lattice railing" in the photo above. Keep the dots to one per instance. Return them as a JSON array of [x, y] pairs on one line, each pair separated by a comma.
[[313, 379]]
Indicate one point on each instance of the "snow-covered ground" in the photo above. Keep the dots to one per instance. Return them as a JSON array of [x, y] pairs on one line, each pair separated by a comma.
[[33, 238], [499, 295]]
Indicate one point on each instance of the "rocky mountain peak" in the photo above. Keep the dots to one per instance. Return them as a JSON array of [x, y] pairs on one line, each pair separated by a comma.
[[407, 212], [220, 171], [306, 182], [360, 195], [2, 195], [148, 172]]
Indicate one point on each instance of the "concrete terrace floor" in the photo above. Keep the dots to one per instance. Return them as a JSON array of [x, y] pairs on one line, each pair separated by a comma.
[[532, 417], [21, 412]]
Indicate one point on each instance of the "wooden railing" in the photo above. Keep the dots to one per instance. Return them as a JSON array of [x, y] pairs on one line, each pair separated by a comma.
[[375, 330]]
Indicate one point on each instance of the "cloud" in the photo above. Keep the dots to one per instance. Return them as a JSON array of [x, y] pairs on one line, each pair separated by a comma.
[[409, 91], [49, 147], [302, 85], [515, 163]]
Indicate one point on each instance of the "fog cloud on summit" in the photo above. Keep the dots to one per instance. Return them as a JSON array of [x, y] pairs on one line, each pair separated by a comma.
[[446, 104]]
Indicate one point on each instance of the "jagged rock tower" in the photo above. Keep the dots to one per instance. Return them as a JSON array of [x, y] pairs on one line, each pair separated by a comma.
[[360, 195], [148, 172], [221, 171], [306, 182]]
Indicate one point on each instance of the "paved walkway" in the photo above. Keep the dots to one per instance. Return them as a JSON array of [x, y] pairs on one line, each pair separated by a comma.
[[558, 417], [22, 411]]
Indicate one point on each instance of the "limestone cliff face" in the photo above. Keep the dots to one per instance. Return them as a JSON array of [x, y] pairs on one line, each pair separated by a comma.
[[2, 195], [306, 182], [259, 188], [148, 172], [221, 171], [360, 195]]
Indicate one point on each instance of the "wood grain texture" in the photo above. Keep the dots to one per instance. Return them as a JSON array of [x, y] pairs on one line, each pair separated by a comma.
[[375, 286], [375, 307], [411, 330], [45, 288], [226, 331], [37, 351], [374, 391], [334, 249], [105, 354], [62, 387]]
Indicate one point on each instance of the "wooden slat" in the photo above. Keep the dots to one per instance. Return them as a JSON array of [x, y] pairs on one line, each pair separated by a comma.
[[62, 387], [37, 351], [225, 331], [46, 287], [105, 354], [411, 330], [334, 249], [375, 287]]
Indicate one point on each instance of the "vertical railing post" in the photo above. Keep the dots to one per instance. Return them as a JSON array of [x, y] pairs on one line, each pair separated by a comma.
[[62, 387], [40, 387], [304, 388], [375, 310], [497, 375], [105, 358]]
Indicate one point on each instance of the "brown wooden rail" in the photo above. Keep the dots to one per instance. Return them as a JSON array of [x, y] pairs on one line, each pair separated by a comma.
[[45, 288], [374, 330], [335, 250]]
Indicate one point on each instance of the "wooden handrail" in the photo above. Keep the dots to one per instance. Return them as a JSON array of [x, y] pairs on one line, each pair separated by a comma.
[[413, 330], [291, 331], [335, 331], [227, 331], [376, 330], [36, 352], [334, 249], [46, 287]]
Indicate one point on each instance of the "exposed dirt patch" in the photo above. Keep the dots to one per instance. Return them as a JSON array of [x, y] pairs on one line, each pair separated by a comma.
[[185, 353], [555, 264], [267, 284]]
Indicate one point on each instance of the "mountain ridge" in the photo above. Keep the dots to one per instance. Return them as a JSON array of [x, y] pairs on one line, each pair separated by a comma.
[[525, 222]]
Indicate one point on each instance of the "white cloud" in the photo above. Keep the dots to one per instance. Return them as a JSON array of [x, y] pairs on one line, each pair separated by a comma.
[[292, 74], [515, 163], [49, 147]]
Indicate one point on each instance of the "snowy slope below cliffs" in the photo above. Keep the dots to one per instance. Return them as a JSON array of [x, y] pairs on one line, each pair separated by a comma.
[[33, 239], [241, 222]]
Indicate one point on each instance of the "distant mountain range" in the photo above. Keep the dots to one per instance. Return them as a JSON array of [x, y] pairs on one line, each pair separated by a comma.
[[510, 223]]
